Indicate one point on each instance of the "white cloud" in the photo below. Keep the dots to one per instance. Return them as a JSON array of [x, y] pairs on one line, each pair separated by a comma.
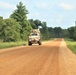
[[5, 5], [66, 6], [43, 5]]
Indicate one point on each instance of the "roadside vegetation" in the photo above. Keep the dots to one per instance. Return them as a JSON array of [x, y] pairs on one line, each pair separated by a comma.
[[12, 44], [71, 44]]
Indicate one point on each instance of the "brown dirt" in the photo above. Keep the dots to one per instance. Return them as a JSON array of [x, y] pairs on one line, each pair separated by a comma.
[[52, 58]]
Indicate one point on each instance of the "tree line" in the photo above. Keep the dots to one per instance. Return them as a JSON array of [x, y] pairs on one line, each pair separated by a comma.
[[17, 27]]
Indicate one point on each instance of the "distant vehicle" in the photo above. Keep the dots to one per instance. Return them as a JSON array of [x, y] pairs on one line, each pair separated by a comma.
[[34, 37]]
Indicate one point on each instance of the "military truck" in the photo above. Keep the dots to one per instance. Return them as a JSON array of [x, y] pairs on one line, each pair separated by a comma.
[[34, 37]]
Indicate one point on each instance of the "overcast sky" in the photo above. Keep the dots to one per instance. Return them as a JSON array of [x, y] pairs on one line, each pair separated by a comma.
[[55, 12]]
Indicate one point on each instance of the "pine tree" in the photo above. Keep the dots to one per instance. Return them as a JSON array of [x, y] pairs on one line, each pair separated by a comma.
[[20, 15]]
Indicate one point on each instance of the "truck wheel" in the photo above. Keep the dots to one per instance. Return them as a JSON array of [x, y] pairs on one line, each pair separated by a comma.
[[29, 43], [39, 42]]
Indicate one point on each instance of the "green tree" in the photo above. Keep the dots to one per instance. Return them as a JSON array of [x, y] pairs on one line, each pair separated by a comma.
[[71, 32], [10, 30], [20, 15], [1, 24], [37, 23], [32, 23], [58, 32], [44, 31], [74, 34], [51, 32], [65, 33]]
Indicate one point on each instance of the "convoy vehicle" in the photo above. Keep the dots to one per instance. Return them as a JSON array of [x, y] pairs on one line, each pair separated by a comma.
[[34, 37]]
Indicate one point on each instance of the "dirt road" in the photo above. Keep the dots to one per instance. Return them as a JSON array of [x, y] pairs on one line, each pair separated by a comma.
[[52, 58]]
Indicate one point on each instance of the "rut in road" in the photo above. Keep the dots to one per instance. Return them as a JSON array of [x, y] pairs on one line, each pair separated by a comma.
[[52, 58]]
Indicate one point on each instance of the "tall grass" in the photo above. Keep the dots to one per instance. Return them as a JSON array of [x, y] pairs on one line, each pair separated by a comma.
[[12, 44], [71, 44]]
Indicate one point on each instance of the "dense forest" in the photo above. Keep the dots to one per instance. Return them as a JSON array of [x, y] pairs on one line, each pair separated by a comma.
[[17, 27]]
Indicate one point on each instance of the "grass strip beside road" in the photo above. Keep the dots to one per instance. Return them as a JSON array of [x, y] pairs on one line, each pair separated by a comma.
[[12, 44], [71, 44], [15, 44]]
